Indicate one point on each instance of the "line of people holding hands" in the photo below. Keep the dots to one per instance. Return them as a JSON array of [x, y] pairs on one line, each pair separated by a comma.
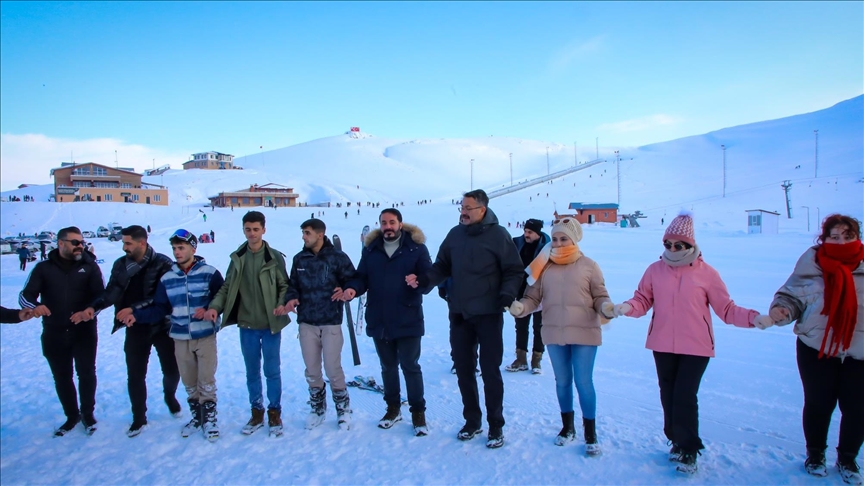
[[486, 276]]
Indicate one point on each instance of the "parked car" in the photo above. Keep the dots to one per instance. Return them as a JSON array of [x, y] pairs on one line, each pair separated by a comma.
[[88, 234], [115, 227], [47, 235], [115, 236], [5, 248], [103, 232]]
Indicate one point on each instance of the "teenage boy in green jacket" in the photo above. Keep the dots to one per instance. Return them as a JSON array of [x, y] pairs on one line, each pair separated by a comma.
[[255, 285]]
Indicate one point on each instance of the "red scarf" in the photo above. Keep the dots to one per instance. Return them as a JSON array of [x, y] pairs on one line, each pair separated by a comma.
[[841, 302]]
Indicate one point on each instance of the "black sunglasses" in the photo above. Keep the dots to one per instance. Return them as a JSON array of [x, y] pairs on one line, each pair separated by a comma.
[[75, 242], [678, 246]]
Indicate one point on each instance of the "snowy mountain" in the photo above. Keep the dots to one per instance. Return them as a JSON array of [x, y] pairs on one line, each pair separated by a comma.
[[750, 400]]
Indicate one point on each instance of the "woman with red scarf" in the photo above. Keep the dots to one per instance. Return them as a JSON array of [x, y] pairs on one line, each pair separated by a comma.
[[825, 295]]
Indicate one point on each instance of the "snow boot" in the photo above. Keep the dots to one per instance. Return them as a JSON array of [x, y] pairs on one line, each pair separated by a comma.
[[274, 421], [343, 408], [568, 432], [393, 415], [67, 426], [209, 424], [418, 419], [174, 407], [674, 452], [535, 363], [848, 469], [193, 425], [89, 422], [520, 363], [815, 463], [138, 426], [254, 423], [468, 432], [687, 462], [318, 402], [496, 438], [592, 447]]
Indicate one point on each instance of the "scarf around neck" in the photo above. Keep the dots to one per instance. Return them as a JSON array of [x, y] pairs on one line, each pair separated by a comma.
[[841, 302], [560, 256], [133, 267], [681, 258]]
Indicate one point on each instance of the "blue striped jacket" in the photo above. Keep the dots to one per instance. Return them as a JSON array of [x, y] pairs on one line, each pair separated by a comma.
[[179, 294]]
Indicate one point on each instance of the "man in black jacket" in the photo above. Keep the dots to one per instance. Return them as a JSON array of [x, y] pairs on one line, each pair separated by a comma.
[[14, 316], [66, 282], [486, 273], [318, 274], [132, 285], [394, 313]]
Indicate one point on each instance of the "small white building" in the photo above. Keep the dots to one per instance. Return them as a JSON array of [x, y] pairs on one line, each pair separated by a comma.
[[760, 221]]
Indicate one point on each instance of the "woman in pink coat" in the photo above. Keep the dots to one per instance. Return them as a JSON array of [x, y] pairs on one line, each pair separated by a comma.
[[680, 287]]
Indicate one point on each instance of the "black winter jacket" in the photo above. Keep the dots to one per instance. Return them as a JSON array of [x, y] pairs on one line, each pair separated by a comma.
[[65, 287], [393, 309], [484, 264], [519, 241], [136, 292], [9, 316], [312, 280]]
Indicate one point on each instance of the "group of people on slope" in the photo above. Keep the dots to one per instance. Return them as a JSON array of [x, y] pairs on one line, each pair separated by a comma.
[[487, 275]]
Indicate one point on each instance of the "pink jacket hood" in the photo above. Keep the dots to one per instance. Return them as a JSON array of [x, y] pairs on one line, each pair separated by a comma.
[[680, 296]]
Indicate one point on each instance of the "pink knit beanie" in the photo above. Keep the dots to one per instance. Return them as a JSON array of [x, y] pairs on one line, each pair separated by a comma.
[[681, 229]]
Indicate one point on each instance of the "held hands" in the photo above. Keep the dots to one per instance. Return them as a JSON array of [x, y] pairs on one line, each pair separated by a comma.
[[123, 314], [199, 313], [763, 322], [337, 294], [621, 309], [779, 314], [41, 311], [129, 320], [411, 280], [25, 314], [210, 315], [84, 316], [290, 306], [516, 308], [608, 310], [348, 294]]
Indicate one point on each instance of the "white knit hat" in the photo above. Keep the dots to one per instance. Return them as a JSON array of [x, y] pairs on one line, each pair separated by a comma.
[[570, 227]]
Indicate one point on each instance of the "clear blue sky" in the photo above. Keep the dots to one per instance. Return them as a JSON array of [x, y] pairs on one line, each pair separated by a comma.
[[233, 76]]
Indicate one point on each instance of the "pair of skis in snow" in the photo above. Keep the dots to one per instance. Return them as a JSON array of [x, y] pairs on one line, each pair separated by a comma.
[[361, 304]]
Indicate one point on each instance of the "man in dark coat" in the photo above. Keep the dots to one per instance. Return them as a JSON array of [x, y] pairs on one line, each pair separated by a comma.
[[57, 288], [14, 316], [394, 312], [133, 283], [486, 273]]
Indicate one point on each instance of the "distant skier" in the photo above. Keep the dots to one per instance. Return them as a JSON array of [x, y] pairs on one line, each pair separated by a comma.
[[346, 214], [212, 236], [23, 256]]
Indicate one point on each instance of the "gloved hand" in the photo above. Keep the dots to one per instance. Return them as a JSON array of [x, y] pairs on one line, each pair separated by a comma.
[[608, 310], [763, 322], [516, 308], [622, 309], [442, 292], [504, 301]]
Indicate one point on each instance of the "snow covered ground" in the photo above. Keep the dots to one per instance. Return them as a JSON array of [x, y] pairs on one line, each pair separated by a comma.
[[750, 398]]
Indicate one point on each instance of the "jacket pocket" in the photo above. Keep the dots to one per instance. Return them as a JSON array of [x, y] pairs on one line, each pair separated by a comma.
[[708, 328]]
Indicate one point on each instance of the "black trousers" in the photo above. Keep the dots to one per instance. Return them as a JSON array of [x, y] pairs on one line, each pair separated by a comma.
[[404, 353], [827, 382], [465, 336], [23, 263], [65, 349], [522, 332], [139, 341], [679, 377]]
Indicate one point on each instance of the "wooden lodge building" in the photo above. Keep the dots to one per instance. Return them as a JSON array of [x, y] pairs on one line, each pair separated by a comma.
[[268, 195], [99, 183]]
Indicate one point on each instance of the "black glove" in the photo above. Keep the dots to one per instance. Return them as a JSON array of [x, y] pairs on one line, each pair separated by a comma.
[[505, 301], [442, 292]]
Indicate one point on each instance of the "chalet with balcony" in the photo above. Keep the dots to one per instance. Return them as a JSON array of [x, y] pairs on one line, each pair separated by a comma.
[[75, 182], [210, 161], [268, 195]]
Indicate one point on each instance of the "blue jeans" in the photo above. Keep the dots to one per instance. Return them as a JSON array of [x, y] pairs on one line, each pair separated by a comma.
[[254, 343], [574, 363]]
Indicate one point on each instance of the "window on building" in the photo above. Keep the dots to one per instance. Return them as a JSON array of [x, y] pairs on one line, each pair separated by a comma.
[[157, 198], [126, 185], [80, 184], [605, 214], [108, 197], [81, 171], [135, 197], [100, 171], [245, 200]]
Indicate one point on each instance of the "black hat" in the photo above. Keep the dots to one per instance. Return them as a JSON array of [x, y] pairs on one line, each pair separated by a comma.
[[534, 225]]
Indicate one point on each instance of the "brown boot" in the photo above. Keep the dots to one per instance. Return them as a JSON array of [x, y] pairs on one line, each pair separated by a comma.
[[274, 420], [254, 423], [520, 363], [536, 358]]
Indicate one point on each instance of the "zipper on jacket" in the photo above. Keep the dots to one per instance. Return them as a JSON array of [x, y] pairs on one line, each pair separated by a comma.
[[707, 324], [651, 326]]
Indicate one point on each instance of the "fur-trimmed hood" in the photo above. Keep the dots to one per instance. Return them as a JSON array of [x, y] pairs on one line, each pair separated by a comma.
[[417, 234]]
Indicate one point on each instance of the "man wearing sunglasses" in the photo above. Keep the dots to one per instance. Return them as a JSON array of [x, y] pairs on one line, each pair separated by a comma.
[[66, 283], [486, 272], [132, 285]]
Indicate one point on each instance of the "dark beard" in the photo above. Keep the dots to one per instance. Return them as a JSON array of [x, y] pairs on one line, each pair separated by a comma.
[[396, 236]]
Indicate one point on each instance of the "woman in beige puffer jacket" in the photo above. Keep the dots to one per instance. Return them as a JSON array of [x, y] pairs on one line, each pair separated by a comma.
[[572, 292]]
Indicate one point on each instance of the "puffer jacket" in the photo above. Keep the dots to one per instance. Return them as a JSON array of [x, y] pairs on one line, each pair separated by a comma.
[[312, 280], [393, 309], [680, 296], [484, 265], [803, 295], [572, 295], [274, 284]]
